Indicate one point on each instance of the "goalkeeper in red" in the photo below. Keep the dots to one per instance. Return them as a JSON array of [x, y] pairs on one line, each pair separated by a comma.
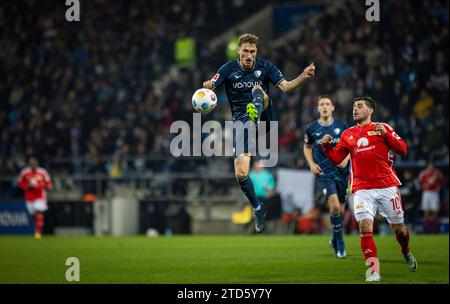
[[374, 182]]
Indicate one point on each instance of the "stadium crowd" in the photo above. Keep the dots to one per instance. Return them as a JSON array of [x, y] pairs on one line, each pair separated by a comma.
[[74, 89], [90, 89]]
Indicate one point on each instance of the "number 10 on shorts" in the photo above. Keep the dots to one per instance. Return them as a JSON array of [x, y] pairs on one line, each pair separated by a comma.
[[396, 204]]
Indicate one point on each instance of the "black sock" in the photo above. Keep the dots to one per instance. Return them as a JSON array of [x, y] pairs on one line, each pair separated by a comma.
[[249, 191]]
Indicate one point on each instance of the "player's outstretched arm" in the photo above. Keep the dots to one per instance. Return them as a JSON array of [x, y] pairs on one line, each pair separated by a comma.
[[336, 154], [289, 86]]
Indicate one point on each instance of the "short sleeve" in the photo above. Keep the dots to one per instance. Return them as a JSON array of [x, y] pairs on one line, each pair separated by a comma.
[[308, 139], [221, 75], [275, 74]]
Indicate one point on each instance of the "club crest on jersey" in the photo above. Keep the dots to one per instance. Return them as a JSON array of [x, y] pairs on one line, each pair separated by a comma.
[[336, 131], [362, 142], [371, 133], [257, 73]]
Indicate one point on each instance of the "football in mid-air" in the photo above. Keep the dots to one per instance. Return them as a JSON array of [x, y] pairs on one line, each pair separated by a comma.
[[204, 100]]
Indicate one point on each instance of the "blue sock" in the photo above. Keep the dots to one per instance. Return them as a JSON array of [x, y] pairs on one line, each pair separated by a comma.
[[249, 191], [258, 101], [336, 224]]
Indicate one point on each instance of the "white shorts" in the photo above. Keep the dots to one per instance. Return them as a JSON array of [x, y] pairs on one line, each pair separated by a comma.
[[39, 205], [430, 201], [386, 200]]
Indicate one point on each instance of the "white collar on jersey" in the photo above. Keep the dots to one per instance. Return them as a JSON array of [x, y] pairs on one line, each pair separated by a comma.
[[331, 122]]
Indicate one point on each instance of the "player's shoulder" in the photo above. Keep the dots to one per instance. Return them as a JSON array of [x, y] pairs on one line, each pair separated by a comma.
[[340, 124], [386, 125], [25, 170], [312, 125], [42, 170], [262, 62], [230, 65], [349, 131]]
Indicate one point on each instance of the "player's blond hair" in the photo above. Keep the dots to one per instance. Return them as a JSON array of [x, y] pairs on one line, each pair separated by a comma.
[[248, 38]]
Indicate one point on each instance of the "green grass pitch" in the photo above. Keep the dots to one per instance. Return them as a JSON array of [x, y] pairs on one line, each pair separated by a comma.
[[215, 259]]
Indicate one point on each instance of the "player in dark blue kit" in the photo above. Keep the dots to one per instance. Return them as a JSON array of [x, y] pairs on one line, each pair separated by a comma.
[[333, 180], [247, 85]]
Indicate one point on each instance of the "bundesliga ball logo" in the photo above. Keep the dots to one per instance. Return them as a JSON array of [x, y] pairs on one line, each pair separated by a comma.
[[204, 100]]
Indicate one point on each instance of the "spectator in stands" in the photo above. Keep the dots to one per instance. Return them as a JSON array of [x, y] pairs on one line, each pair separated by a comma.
[[66, 90]]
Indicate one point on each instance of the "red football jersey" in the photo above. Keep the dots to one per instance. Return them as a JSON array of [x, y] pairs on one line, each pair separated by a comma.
[[34, 183], [371, 156], [431, 180]]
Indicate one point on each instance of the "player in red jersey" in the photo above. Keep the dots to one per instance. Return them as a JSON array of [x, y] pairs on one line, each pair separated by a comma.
[[35, 180], [431, 182], [374, 181]]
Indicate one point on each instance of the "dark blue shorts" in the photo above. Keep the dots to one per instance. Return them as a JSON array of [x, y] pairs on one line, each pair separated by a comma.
[[243, 139], [269, 114], [330, 186]]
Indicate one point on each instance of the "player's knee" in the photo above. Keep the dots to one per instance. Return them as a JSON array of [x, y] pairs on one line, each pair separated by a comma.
[[241, 174], [333, 204], [398, 228], [335, 209], [365, 226], [241, 177]]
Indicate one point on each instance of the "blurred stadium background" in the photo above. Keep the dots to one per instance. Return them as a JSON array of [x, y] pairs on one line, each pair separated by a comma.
[[94, 99]]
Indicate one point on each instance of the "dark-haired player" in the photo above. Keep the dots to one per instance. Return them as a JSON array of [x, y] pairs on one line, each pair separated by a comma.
[[374, 181]]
